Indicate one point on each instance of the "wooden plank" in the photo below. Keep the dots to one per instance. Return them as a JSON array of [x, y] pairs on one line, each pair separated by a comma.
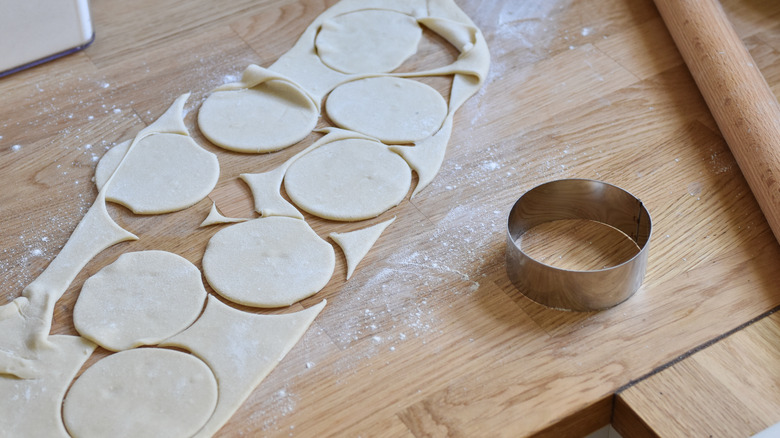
[[727, 389]]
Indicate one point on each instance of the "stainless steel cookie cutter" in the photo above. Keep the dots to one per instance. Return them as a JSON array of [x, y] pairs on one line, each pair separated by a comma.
[[577, 199]]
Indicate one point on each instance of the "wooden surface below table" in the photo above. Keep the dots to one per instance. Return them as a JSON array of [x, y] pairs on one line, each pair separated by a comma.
[[429, 337]]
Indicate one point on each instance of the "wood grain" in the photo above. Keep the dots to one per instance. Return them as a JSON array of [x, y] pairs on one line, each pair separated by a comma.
[[727, 389], [428, 337]]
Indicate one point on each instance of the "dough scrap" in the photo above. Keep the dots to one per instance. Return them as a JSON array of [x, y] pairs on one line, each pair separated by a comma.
[[33, 407], [141, 393], [427, 156], [26, 321], [367, 41], [356, 244], [409, 110], [241, 349], [348, 180], [216, 218], [264, 112], [268, 262], [141, 298]]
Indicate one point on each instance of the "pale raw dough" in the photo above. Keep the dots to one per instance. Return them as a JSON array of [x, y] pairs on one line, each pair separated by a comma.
[[25, 322], [356, 244], [241, 349], [216, 218], [146, 392], [33, 407], [265, 186], [385, 39], [409, 110], [140, 299], [163, 173], [268, 262], [166, 171], [109, 162], [348, 180], [426, 156], [263, 113]]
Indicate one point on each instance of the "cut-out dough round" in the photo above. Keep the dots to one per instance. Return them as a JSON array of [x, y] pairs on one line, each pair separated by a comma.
[[348, 180], [268, 262], [393, 110], [265, 118], [368, 41], [109, 162], [140, 299], [142, 392], [163, 172]]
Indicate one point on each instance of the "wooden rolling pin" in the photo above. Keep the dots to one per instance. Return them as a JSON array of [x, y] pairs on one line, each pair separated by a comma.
[[739, 98]]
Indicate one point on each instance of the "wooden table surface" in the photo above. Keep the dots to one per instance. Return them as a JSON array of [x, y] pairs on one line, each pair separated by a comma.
[[429, 337]]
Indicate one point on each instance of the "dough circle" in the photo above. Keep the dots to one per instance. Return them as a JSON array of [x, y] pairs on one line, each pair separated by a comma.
[[348, 180], [109, 162], [163, 172], [265, 118], [393, 110], [367, 41], [140, 299], [268, 262], [142, 392]]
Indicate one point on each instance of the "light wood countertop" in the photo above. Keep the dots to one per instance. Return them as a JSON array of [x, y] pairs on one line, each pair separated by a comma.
[[429, 337]]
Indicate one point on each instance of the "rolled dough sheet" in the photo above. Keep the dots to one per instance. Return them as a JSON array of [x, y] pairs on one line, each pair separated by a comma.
[[33, 407], [145, 392], [141, 298], [241, 349]]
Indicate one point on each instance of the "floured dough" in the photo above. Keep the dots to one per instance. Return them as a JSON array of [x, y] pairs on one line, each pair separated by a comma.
[[241, 349], [409, 110], [216, 218], [263, 113], [32, 407], [268, 262], [427, 156], [348, 180], [265, 186], [164, 172], [367, 41], [356, 244], [109, 162], [25, 322], [146, 392], [140, 299]]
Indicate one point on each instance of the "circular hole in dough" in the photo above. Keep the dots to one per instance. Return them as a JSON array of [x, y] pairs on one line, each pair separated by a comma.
[[162, 173], [140, 299], [348, 180], [141, 392], [393, 110], [265, 118], [268, 262], [367, 41]]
